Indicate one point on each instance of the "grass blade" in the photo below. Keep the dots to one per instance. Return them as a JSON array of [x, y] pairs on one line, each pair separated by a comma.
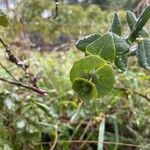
[[101, 134]]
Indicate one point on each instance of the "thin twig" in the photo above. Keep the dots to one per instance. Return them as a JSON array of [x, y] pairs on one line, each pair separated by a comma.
[[56, 138], [146, 146], [12, 58], [94, 142], [56, 9], [141, 6], [87, 138], [77, 112], [29, 87], [133, 91]]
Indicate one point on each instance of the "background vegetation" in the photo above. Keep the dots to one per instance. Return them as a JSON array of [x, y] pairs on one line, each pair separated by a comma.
[[58, 120]]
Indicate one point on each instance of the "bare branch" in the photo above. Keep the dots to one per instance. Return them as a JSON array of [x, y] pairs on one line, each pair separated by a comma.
[[93, 142], [29, 87], [56, 9], [133, 91], [13, 58]]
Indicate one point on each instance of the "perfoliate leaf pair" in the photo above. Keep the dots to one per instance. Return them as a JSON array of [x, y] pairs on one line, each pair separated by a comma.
[[92, 77], [85, 89]]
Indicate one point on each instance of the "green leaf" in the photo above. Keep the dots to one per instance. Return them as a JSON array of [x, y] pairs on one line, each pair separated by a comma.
[[82, 43], [96, 71], [103, 47], [104, 81], [82, 67], [120, 44], [143, 54], [85, 89], [142, 20], [121, 62], [116, 25], [122, 48], [3, 19], [132, 20]]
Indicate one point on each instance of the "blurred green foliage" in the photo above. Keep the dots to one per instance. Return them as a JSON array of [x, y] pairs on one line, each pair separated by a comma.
[[29, 121], [73, 20], [108, 4], [23, 122], [117, 4]]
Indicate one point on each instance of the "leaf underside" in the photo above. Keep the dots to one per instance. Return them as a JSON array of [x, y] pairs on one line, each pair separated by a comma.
[[143, 54], [82, 43]]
